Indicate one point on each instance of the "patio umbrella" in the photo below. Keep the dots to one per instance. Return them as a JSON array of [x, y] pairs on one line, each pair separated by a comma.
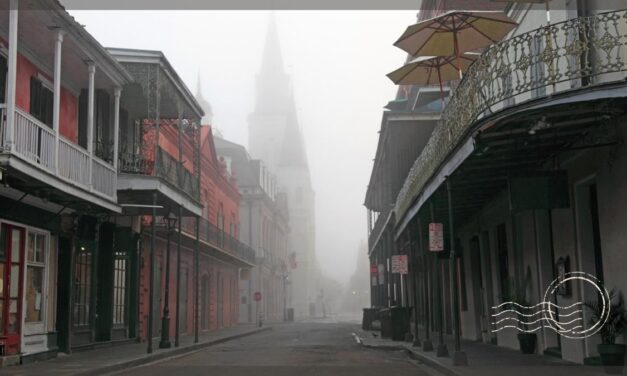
[[454, 33], [431, 70]]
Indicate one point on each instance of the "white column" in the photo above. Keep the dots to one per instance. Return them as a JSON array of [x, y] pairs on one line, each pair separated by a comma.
[[56, 105], [116, 124], [11, 75], [91, 67]]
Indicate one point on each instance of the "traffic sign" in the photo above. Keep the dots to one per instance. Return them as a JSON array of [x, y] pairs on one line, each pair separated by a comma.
[[436, 237]]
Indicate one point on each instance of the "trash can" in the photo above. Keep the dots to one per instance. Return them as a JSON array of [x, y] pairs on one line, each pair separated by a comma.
[[370, 314], [399, 319], [290, 314], [385, 317]]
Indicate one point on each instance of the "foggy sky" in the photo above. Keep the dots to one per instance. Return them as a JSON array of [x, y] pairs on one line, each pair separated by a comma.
[[337, 61]]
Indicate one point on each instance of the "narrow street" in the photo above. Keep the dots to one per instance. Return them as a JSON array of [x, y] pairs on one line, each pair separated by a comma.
[[303, 349]]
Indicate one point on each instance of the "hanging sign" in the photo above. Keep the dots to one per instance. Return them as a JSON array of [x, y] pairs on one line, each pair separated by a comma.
[[436, 237], [399, 264], [373, 270]]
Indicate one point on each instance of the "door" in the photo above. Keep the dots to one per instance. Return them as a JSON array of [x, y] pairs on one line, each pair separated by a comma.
[[11, 270]]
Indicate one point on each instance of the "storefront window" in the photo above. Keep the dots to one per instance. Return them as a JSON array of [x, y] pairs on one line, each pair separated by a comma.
[[35, 277], [119, 289], [82, 287]]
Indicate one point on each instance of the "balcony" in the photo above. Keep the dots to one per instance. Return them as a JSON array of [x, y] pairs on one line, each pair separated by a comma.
[[564, 59], [379, 225], [163, 166], [219, 243], [159, 159], [36, 145]]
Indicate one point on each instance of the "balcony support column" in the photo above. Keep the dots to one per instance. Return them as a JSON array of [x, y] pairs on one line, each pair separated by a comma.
[[459, 357], [178, 280], [56, 105], [197, 281], [91, 68], [117, 92], [11, 76]]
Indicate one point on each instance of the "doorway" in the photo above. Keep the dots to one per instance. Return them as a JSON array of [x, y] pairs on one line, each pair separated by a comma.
[[11, 275]]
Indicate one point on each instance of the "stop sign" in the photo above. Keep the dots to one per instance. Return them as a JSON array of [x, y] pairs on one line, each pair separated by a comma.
[[257, 296]]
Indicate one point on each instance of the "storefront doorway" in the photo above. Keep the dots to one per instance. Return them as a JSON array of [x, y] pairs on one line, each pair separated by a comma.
[[11, 270]]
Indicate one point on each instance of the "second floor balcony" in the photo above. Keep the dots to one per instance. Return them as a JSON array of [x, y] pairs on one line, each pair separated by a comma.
[[583, 58], [58, 107], [159, 153], [218, 243]]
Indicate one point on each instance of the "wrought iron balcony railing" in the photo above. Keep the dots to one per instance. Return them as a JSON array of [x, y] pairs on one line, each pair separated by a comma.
[[211, 234], [569, 55], [164, 166]]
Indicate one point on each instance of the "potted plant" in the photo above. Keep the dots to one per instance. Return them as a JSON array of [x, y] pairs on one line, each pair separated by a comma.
[[612, 354], [517, 293]]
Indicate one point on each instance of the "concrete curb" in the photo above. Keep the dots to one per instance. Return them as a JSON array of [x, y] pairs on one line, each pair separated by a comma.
[[426, 360], [151, 358], [433, 363]]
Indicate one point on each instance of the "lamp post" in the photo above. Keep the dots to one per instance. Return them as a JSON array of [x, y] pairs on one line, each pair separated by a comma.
[[165, 318], [285, 277]]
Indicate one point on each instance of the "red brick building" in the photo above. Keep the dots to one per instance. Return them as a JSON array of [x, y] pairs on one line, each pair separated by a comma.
[[173, 180]]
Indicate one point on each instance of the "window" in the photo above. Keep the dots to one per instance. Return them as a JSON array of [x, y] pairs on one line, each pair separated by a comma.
[[40, 101], [120, 264], [35, 258], [103, 143], [82, 286]]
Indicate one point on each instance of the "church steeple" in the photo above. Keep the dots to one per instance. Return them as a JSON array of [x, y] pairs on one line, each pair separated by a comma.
[[204, 104], [272, 80], [272, 63], [293, 152]]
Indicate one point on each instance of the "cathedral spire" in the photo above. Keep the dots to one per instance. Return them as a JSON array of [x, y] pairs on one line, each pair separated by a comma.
[[293, 152], [272, 63]]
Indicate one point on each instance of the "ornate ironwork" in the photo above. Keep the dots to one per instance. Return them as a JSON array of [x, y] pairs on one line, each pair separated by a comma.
[[563, 56]]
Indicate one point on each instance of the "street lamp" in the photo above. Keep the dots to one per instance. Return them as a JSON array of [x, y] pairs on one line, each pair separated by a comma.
[[285, 281], [170, 221]]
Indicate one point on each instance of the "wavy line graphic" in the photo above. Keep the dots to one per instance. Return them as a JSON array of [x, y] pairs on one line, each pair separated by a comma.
[[539, 304], [538, 320], [538, 328], [532, 314]]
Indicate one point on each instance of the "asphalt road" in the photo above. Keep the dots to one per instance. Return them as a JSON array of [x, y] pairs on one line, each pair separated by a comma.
[[298, 349]]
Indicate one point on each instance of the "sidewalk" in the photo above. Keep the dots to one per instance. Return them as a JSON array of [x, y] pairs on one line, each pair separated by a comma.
[[483, 359], [116, 358]]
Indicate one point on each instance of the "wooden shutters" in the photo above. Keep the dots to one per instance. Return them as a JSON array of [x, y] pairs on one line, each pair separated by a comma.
[[40, 101]]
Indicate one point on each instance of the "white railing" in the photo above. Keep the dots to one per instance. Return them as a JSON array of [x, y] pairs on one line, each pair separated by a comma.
[[34, 140], [73, 163], [103, 177], [35, 143]]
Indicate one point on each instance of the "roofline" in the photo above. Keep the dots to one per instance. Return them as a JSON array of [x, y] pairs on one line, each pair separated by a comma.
[[139, 56], [113, 68]]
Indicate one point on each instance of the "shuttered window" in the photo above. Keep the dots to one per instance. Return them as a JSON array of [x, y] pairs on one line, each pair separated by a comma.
[[40, 101]]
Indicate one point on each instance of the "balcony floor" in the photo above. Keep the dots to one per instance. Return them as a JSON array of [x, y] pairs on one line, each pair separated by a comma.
[[137, 189], [28, 178]]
